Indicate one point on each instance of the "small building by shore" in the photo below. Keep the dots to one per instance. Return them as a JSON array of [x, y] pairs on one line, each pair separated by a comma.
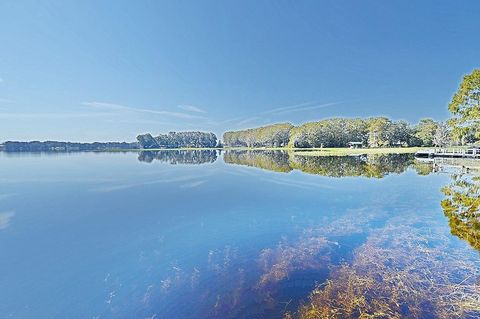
[[355, 144]]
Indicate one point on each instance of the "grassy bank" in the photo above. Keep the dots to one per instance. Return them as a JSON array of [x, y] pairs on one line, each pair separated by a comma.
[[356, 151]]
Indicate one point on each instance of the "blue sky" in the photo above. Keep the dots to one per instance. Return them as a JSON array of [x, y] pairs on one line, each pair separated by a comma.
[[108, 70]]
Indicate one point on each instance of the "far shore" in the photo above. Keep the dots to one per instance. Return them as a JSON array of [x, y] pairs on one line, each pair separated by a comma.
[[339, 151]]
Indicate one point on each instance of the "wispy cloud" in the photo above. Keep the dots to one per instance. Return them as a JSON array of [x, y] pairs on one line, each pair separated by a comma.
[[5, 219], [248, 120], [12, 115], [30, 180], [125, 108], [191, 108], [300, 107], [109, 106], [103, 110], [307, 106], [193, 184]]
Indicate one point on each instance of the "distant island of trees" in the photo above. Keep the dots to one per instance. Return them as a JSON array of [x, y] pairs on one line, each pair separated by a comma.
[[178, 140]]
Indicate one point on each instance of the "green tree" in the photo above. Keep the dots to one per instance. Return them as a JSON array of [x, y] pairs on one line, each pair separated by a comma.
[[425, 131], [276, 135], [378, 131], [442, 135], [335, 132], [177, 139], [399, 134], [465, 108]]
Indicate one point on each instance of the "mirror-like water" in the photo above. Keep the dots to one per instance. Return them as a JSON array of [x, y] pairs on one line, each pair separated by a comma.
[[245, 234]]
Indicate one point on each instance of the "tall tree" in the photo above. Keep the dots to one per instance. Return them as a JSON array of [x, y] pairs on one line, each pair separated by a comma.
[[177, 139], [425, 131], [378, 131], [276, 135], [399, 134], [442, 135], [465, 107]]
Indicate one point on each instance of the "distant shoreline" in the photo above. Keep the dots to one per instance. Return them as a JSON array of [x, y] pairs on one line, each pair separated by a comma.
[[308, 151]]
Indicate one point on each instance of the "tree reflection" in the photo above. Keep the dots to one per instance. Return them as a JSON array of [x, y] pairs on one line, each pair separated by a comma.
[[461, 206], [179, 156], [277, 161], [376, 166]]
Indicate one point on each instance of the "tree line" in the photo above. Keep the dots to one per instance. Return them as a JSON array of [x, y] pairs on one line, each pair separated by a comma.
[[462, 128], [341, 132], [178, 140], [54, 146], [276, 135]]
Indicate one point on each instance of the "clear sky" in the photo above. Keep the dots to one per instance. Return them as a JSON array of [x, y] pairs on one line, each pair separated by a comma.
[[108, 70]]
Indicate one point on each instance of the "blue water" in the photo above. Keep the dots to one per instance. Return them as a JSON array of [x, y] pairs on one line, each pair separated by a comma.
[[106, 235]]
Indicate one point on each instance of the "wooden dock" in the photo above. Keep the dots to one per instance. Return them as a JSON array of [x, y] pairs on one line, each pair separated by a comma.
[[449, 153]]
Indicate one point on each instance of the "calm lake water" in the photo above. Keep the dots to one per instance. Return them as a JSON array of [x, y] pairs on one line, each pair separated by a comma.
[[231, 235]]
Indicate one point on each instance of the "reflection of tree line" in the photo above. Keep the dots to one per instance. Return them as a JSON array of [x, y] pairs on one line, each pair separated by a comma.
[[277, 161], [280, 161], [333, 166], [461, 204], [368, 166], [402, 270], [462, 197], [179, 156]]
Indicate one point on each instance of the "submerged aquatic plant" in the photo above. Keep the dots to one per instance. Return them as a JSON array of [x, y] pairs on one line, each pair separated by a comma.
[[311, 252], [314, 247], [400, 272]]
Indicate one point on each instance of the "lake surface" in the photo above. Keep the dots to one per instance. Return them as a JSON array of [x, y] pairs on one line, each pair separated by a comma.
[[204, 234]]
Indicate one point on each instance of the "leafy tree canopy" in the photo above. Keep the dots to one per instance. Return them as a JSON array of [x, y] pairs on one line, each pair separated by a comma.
[[465, 107]]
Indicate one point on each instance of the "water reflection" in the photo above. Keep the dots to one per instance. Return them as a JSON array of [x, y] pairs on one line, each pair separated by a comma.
[[376, 166], [388, 274], [462, 207], [256, 245], [277, 161], [179, 156]]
